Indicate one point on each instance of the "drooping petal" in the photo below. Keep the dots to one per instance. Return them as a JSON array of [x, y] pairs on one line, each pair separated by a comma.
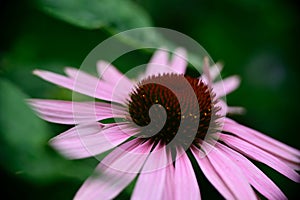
[[226, 86], [255, 176], [109, 179], [151, 182], [291, 159], [91, 139], [179, 61], [211, 174], [263, 141], [260, 155], [100, 90], [230, 173], [186, 185], [67, 112]]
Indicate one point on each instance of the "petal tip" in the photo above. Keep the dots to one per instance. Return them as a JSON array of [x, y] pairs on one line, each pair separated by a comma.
[[181, 52], [219, 66], [236, 78], [102, 66], [37, 72]]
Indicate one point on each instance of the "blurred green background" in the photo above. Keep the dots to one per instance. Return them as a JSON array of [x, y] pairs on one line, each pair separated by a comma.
[[258, 40]]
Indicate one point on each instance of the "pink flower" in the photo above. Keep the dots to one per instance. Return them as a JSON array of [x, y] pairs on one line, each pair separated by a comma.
[[163, 120]]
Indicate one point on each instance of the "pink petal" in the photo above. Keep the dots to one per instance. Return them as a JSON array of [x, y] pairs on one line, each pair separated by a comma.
[[169, 180], [158, 63], [67, 112], [224, 108], [98, 90], [206, 77], [230, 173], [260, 155], [255, 176], [286, 153], [88, 80], [211, 174], [236, 110], [119, 88], [152, 177], [229, 109], [267, 138], [76, 74], [226, 86], [110, 74], [186, 185], [109, 180], [214, 72], [179, 61], [86, 140]]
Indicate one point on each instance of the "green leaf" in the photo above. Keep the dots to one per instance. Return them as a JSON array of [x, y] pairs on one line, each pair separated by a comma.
[[94, 14], [115, 17], [23, 135], [24, 138], [19, 125]]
